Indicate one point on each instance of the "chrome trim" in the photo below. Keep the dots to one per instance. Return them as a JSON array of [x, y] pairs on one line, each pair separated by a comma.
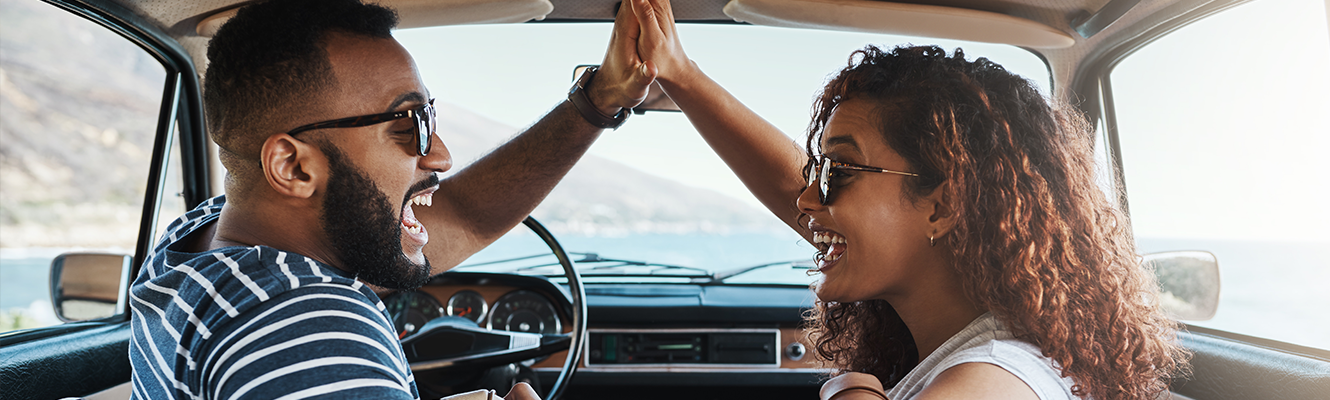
[[484, 305], [489, 319], [690, 367]]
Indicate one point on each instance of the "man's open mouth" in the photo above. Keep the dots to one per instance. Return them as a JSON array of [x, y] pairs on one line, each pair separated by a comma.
[[409, 221]]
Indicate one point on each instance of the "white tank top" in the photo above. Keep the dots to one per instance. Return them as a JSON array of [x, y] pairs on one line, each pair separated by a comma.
[[987, 340]]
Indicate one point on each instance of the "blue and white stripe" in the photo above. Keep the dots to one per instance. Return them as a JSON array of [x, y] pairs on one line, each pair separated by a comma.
[[257, 322]]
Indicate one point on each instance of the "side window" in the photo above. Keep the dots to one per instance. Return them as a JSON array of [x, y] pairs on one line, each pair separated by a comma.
[[80, 107], [1224, 137]]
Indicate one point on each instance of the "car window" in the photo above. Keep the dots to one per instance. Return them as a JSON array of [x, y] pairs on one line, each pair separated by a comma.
[[651, 191], [1223, 134], [80, 107]]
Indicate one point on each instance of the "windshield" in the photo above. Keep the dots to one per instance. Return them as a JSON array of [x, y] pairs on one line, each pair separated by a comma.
[[651, 197]]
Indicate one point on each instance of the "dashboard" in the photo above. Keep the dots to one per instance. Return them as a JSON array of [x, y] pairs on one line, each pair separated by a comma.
[[639, 334]]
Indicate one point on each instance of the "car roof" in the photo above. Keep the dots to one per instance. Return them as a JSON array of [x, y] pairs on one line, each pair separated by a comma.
[[1077, 33]]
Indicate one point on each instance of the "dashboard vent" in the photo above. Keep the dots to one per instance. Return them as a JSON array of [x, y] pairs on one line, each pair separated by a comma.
[[736, 347]]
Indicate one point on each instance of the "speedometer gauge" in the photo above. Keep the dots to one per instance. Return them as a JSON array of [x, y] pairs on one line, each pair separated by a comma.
[[524, 311], [467, 304], [411, 310]]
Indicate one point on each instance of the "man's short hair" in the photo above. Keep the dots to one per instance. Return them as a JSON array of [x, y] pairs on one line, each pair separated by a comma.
[[269, 62]]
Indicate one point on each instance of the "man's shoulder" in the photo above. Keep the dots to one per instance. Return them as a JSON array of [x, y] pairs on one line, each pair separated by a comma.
[[237, 277], [308, 313], [182, 226], [309, 336]]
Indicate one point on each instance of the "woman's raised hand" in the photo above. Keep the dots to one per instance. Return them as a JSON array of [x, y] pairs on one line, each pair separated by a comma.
[[658, 43]]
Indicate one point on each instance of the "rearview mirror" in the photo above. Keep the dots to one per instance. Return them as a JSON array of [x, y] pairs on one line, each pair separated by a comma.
[[88, 286], [656, 99], [1188, 283]]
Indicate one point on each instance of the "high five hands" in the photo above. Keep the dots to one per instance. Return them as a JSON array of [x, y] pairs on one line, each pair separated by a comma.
[[657, 40]]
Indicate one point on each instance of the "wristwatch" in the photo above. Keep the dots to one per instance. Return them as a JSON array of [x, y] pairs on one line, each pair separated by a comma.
[[578, 96]]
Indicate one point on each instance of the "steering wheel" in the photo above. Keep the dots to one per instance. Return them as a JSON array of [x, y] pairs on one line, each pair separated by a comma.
[[457, 344]]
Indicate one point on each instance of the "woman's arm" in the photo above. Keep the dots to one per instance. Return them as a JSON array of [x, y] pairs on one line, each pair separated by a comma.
[[767, 161]]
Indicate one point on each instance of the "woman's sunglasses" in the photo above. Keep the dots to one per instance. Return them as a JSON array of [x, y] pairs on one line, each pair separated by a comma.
[[820, 168], [422, 118]]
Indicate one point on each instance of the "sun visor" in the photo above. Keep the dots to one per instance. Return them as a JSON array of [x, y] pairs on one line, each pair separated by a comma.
[[418, 13], [899, 19]]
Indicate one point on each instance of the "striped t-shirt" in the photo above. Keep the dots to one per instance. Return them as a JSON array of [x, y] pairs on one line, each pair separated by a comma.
[[257, 322]]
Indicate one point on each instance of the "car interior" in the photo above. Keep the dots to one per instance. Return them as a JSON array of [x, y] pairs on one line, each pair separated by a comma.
[[568, 314]]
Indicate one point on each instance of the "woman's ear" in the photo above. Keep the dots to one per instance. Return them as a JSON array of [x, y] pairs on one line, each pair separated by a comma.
[[292, 167], [943, 217]]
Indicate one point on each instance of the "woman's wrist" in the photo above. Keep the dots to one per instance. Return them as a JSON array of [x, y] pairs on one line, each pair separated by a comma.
[[683, 77], [857, 393], [852, 385]]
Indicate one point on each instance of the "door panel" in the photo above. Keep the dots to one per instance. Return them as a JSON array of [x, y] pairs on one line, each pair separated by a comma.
[[73, 364], [1225, 368]]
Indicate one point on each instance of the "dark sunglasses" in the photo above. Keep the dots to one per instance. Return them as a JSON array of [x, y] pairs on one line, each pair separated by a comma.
[[422, 116], [820, 168]]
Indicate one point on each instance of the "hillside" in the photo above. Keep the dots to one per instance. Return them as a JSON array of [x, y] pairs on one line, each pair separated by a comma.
[[78, 111], [603, 197]]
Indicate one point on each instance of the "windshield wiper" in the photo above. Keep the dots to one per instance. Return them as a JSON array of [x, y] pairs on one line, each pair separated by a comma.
[[596, 258], [721, 276]]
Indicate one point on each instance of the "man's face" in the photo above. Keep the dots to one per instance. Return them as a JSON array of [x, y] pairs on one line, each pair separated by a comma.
[[359, 222], [374, 173]]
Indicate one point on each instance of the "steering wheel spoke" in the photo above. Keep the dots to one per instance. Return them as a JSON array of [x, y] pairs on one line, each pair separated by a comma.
[[453, 343]]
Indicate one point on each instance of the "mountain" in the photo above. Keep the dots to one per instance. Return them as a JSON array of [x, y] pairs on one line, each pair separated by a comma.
[[78, 112], [604, 197]]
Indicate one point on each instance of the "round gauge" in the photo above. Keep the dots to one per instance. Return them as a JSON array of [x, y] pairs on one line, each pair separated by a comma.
[[467, 304], [410, 311], [524, 311]]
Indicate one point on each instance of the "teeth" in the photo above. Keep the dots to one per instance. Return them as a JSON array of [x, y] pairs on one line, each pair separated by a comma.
[[827, 237], [423, 200]]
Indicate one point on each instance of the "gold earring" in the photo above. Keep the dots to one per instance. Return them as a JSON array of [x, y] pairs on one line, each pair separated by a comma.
[[931, 243]]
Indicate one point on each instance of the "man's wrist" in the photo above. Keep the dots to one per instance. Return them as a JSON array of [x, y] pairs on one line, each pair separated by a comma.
[[581, 97], [601, 97]]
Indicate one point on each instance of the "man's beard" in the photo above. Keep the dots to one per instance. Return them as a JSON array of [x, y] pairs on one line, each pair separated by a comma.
[[358, 220]]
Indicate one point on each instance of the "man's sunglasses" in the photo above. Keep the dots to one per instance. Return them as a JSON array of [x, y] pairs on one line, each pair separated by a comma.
[[422, 118], [820, 168]]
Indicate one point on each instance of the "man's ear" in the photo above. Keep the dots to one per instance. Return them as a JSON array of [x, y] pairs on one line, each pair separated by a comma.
[[943, 217], [292, 167]]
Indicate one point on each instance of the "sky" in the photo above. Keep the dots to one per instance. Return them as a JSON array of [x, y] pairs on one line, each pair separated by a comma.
[[1224, 126], [1247, 85], [775, 71]]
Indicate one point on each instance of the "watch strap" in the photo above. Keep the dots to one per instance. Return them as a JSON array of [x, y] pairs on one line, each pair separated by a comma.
[[582, 101]]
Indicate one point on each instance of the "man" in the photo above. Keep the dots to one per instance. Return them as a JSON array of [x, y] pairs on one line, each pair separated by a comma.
[[326, 131]]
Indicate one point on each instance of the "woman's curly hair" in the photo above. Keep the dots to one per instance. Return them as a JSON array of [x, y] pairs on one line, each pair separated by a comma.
[[1036, 242]]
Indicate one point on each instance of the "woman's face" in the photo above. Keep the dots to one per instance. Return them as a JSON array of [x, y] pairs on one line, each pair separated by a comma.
[[879, 238]]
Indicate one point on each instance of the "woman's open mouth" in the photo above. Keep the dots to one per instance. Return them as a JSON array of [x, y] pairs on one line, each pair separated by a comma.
[[831, 246]]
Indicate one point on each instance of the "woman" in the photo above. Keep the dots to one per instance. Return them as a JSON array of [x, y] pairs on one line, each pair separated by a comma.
[[964, 247]]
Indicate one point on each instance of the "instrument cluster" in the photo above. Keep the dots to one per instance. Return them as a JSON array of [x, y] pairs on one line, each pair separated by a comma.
[[510, 309]]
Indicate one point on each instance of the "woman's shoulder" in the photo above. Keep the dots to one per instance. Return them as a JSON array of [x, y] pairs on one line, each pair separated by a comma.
[[968, 355], [1019, 358]]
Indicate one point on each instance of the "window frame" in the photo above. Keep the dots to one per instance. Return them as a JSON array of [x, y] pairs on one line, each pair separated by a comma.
[[1093, 84], [180, 113]]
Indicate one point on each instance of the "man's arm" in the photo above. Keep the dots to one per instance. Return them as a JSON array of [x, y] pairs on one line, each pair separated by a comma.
[[480, 203]]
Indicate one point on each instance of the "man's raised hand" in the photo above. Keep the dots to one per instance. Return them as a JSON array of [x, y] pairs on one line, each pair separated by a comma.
[[623, 80]]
